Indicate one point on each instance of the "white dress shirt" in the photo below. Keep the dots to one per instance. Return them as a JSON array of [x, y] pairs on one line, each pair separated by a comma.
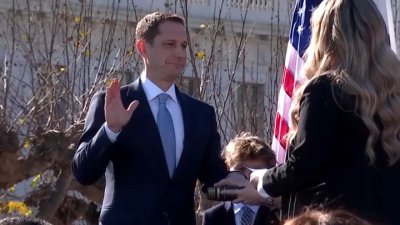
[[237, 210], [151, 91], [260, 174]]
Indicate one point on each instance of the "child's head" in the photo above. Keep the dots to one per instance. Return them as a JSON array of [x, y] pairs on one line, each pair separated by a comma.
[[248, 151]]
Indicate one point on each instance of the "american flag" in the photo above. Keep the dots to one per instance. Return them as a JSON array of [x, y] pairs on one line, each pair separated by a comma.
[[298, 42]]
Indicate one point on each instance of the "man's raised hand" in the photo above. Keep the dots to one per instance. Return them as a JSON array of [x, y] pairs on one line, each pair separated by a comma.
[[116, 114]]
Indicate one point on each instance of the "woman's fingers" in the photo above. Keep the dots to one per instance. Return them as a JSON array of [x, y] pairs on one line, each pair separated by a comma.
[[230, 191], [229, 182]]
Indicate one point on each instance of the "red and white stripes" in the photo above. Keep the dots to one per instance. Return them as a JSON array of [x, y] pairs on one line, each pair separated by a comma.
[[290, 80]]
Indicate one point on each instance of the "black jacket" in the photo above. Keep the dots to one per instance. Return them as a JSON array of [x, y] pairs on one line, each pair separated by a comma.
[[329, 149]]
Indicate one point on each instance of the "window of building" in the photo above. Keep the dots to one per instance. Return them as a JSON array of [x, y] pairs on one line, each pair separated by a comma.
[[250, 107], [199, 2], [262, 53]]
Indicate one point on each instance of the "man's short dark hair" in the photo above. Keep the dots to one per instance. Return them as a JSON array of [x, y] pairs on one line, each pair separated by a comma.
[[147, 27], [23, 221]]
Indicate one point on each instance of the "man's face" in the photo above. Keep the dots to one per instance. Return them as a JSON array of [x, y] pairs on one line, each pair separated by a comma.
[[166, 57], [246, 165]]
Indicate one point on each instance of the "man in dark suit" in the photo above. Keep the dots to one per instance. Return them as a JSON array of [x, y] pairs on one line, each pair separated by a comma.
[[244, 153], [151, 141]]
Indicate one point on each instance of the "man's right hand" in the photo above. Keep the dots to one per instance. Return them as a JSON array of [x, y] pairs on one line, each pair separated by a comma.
[[116, 114]]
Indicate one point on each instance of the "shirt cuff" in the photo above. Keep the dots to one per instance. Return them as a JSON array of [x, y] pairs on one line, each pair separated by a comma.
[[112, 136], [260, 174]]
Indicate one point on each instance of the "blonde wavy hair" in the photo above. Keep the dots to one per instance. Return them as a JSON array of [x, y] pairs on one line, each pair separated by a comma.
[[349, 40], [335, 217]]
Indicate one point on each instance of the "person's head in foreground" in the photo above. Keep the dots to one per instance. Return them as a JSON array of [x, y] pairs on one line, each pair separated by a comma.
[[335, 217]]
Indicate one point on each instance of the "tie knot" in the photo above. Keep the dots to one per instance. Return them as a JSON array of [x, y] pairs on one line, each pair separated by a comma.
[[162, 98]]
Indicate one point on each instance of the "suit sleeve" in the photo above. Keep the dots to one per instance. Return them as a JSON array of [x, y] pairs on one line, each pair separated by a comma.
[[213, 167], [206, 219], [218, 215], [94, 147], [309, 161]]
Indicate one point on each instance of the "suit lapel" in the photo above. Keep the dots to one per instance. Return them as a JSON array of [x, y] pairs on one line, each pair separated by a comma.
[[262, 216], [230, 215], [188, 123], [143, 124]]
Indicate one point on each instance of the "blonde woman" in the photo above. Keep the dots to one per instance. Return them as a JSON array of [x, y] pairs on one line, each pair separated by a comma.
[[347, 120]]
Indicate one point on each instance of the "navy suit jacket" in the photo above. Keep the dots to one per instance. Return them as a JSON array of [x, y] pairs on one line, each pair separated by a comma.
[[139, 190], [223, 214]]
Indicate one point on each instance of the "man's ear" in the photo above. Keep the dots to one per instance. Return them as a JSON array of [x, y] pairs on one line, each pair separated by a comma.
[[141, 47]]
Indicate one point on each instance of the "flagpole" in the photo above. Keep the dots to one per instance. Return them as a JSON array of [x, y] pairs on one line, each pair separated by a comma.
[[385, 8]]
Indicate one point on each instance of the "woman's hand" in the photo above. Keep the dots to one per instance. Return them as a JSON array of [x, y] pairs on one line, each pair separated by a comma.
[[248, 194]]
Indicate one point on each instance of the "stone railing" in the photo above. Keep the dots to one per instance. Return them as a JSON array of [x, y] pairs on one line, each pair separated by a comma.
[[261, 14], [260, 5]]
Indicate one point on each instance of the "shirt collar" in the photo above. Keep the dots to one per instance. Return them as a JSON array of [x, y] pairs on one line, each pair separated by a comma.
[[152, 90], [237, 207]]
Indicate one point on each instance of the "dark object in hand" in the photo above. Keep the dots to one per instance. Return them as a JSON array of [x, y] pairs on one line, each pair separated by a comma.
[[214, 193]]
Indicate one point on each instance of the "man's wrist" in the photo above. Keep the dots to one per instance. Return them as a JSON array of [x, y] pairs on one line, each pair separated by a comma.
[[113, 128], [112, 136]]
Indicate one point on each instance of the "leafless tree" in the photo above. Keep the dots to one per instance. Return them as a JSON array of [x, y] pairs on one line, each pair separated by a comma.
[[58, 53]]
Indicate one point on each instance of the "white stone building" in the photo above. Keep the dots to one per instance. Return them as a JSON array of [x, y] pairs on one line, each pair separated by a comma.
[[237, 53]]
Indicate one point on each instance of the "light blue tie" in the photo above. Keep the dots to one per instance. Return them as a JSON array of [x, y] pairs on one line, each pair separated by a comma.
[[247, 216], [167, 132]]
